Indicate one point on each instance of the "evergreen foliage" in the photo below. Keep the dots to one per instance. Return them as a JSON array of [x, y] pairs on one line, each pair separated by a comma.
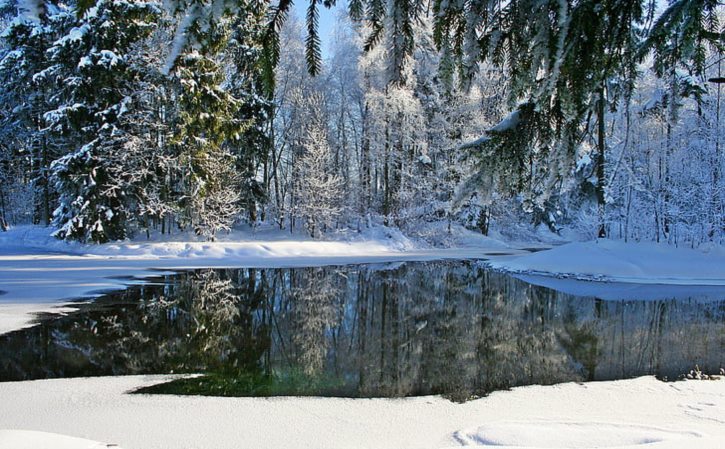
[[245, 56], [26, 98], [207, 190], [91, 76]]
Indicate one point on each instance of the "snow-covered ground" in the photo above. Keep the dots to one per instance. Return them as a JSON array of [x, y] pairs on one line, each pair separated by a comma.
[[631, 414], [617, 261], [29, 439]]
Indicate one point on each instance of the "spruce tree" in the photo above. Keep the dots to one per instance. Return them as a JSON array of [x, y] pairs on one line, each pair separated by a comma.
[[93, 83], [207, 188], [245, 57], [26, 96]]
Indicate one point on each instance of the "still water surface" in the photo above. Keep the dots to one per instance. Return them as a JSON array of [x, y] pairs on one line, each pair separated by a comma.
[[451, 328]]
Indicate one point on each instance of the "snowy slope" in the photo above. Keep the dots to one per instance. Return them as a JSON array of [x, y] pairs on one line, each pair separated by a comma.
[[27, 439], [637, 413]]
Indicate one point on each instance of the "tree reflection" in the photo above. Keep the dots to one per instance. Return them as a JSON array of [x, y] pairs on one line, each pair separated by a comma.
[[316, 307], [452, 328]]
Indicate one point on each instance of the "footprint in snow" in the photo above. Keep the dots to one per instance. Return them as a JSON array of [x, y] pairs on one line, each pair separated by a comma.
[[568, 435]]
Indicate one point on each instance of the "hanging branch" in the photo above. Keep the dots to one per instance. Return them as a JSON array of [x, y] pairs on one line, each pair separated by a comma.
[[376, 18], [312, 43]]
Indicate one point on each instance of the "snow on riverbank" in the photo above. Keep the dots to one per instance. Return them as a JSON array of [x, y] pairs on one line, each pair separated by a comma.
[[610, 260], [262, 242], [635, 413], [26, 439]]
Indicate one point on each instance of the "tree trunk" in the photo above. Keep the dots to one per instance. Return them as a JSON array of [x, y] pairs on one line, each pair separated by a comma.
[[601, 148], [716, 205]]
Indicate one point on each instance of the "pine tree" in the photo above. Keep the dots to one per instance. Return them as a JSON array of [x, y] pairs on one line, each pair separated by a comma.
[[26, 96], [93, 80], [208, 119]]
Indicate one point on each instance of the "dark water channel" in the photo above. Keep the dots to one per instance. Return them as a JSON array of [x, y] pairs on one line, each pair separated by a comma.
[[451, 328]]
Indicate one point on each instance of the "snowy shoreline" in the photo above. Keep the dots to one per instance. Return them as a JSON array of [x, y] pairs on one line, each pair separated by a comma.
[[617, 261], [39, 273], [642, 412]]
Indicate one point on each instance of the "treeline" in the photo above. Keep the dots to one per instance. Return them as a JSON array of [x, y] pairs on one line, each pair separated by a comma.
[[418, 140], [122, 117], [125, 116]]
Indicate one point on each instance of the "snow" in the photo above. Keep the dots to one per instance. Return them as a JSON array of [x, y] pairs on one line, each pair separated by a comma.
[[475, 143], [627, 414], [625, 262], [570, 435], [10, 58], [56, 115], [75, 35], [181, 37], [584, 161], [441, 234], [19, 315], [510, 122], [85, 62], [656, 100], [29, 10], [26, 439], [617, 291], [108, 59]]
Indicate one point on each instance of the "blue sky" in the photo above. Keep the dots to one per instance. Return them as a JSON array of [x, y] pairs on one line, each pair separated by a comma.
[[327, 21]]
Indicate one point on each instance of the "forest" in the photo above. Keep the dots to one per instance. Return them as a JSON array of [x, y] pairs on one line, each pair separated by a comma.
[[125, 118]]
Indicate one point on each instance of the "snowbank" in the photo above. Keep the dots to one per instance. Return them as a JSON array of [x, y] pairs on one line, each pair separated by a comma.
[[265, 241], [25, 439], [609, 260], [618, 291], [636, 413]]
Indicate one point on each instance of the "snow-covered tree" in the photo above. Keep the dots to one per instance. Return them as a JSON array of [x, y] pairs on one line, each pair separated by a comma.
[[590, 114], [208, 195], [93, 79], [345, 102], [26, 97], [207, 119], [292, 116], [245, 64], [318, 188]]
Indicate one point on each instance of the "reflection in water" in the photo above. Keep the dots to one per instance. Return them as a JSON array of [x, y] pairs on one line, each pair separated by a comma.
[[388, 330]]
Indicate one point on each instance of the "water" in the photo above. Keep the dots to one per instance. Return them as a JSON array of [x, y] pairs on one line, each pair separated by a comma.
[[451, 328]]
